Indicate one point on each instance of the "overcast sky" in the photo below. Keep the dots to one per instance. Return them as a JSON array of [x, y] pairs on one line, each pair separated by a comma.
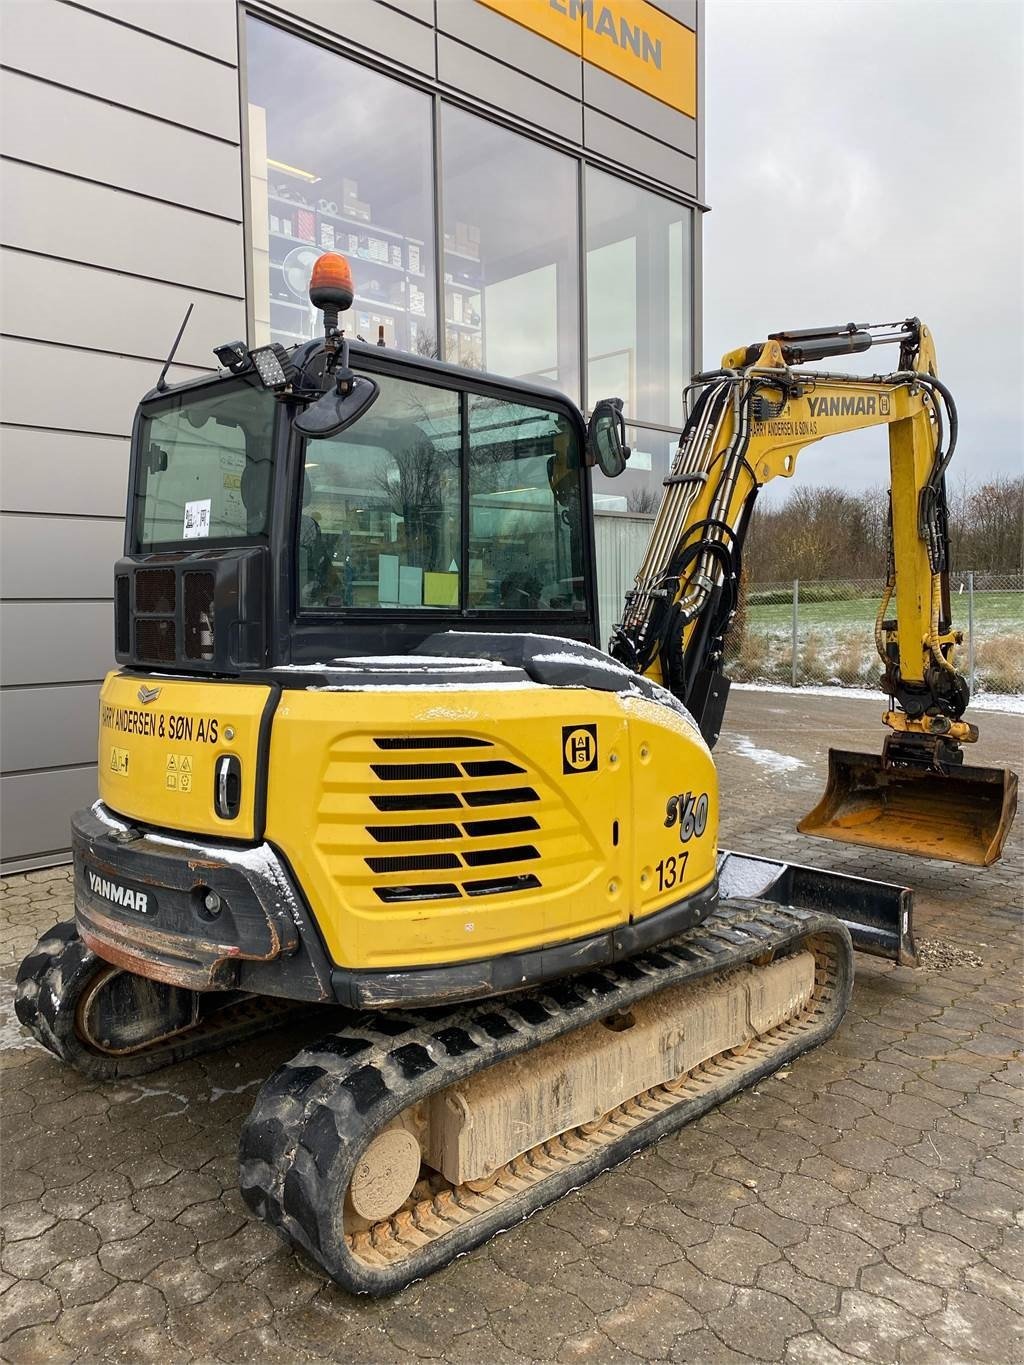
[[864, 163]]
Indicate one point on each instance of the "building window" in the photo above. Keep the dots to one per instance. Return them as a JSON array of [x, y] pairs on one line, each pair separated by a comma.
[[639, 269], [380, 522], [525, 523], [340, 159], [511, 260]]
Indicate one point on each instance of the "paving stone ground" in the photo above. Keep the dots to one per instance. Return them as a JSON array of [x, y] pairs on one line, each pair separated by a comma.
[[866, 1206]]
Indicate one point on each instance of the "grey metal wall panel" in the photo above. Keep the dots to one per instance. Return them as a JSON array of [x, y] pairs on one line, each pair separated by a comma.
[[495, 35], [61, 471], [79, 306], [49, 641], [86, 52], [37, 808], [631, 106], [57, 557], [684, 11], [423, 10], [119, 231], [209, 26], [376, 27], [96, 392], [48, 126], [48, 727], [508, 90], [619, 545], [631, 148]]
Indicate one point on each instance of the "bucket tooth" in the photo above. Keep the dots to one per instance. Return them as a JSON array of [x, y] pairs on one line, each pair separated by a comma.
[[960, 815]]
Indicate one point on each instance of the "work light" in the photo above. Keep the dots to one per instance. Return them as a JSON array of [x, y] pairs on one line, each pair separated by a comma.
[[273, 365]]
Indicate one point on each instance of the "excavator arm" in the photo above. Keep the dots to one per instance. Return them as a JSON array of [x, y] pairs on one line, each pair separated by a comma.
[[747, 424]]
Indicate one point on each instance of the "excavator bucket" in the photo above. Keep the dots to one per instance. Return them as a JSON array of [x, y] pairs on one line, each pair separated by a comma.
[[961, 815]]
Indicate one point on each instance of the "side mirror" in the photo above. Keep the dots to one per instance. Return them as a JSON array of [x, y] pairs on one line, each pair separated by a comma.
[[338, 408], [606, 438]]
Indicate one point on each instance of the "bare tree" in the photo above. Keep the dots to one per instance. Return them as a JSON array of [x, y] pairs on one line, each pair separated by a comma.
[[831, 533], [412, 477], [643, 500], [993, 537]]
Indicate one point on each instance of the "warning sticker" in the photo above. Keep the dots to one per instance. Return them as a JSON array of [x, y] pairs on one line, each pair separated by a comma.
[[119, 762], [197, 519], [178, 772]]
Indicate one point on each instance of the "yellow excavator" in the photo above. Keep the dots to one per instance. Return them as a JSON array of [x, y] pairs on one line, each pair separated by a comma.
[[361, 750]]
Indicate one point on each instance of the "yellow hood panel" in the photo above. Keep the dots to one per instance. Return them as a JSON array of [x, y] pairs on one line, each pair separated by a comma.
[[159, 741]]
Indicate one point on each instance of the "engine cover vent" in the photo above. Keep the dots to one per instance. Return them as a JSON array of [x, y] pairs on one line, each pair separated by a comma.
[[457, 790]]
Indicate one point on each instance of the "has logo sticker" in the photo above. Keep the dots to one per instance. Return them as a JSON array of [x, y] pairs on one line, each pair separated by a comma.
[[579, 748]]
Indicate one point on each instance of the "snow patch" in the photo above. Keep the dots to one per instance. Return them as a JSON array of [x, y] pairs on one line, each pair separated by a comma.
[[262, 860], [105, 818], [397, 663], [601, 661], [765, 758], [13, 1038], [742, 876], [675, 718], [1008, 703], [145, 1092], [452, 713], [217, 1093], [428, 685]]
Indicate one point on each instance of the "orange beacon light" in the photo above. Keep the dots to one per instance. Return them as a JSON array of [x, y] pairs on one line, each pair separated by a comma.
[[330, 286]]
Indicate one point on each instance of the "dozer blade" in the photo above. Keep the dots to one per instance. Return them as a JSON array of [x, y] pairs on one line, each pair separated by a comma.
[[961, 815], [879, 915]]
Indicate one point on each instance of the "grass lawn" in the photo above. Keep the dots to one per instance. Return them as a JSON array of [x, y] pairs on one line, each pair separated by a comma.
[[995, 613]]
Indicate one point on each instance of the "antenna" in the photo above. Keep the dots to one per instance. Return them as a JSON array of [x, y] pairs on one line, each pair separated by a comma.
[[161, 383]]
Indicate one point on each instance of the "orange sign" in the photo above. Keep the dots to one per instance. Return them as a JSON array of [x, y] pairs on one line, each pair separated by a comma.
[[627, 38]]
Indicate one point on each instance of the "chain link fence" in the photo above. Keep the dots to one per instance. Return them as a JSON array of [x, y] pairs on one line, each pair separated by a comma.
[[823, 631]]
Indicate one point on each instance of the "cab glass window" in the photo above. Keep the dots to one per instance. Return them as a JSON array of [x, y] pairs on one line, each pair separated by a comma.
[[379, 524], [525, 523], [204, 466]]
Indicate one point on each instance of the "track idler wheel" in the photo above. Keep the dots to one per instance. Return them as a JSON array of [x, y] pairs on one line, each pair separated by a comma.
[[102, 1021], [110, 1024]]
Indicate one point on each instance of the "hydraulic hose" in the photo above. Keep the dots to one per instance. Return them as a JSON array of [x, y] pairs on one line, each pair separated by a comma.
[[880, 617], [933, 638]]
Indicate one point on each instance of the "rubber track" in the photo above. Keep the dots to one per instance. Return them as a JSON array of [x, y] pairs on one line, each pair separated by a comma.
[[57, 973], [315, 1116]]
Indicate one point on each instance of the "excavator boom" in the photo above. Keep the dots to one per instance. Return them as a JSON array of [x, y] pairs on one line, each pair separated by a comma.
[[748, 423]]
